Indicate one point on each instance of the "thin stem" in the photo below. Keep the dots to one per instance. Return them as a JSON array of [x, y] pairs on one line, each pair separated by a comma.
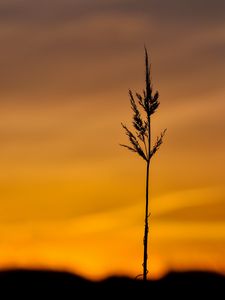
[[145, 268], [145, 262]]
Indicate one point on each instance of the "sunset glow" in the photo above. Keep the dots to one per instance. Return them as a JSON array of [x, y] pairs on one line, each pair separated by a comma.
[[70, 197]]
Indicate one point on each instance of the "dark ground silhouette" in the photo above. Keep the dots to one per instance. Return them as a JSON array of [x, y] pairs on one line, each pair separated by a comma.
[[42, 284]]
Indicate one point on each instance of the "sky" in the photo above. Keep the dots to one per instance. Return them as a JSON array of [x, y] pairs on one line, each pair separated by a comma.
[[70, 197]]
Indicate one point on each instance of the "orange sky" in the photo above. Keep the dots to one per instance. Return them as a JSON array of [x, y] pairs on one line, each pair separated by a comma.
[[70, 197]]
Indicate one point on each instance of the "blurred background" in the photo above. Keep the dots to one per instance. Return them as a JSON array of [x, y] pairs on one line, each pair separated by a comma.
[[70, 197]]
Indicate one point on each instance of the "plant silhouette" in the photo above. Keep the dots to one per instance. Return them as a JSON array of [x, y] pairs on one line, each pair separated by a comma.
[[143, 107]]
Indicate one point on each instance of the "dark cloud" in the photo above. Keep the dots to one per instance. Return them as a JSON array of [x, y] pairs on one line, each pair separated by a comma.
[[56, 47], [164, 11], [174, 10]]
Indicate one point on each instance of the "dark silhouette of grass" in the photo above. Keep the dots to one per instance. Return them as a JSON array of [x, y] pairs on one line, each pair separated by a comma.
[[140, 141], [44, 284]]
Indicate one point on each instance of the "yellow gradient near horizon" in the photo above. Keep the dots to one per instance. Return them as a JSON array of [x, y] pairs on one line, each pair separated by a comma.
[[70, 197]]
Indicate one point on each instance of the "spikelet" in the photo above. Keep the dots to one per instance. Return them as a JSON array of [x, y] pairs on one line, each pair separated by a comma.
[[158, 143], [148, 103]]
